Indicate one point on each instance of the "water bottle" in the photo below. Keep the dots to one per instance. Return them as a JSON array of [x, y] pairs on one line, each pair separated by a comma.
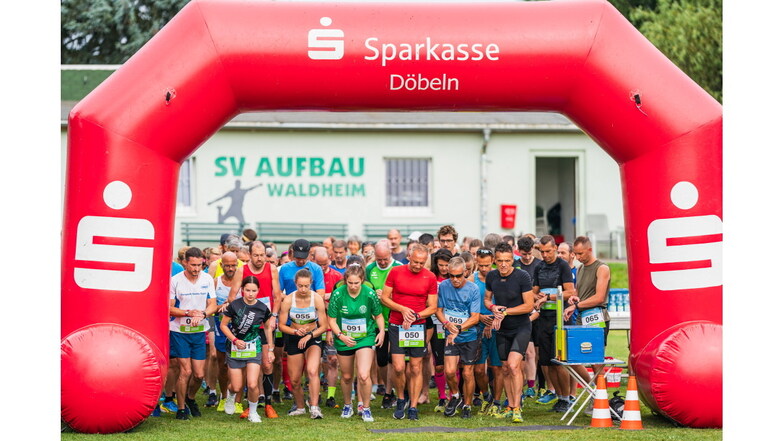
[[626, 306]]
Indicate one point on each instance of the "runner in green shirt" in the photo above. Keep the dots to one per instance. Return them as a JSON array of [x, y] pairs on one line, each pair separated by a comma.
[[355, 318], [376, 274]]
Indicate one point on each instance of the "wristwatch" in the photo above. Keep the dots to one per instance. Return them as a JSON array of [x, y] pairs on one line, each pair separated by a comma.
[[459, 328], [274, 314]]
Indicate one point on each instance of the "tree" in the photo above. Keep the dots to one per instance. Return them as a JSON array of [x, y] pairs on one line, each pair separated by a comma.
[[688, 32], [110, 31]]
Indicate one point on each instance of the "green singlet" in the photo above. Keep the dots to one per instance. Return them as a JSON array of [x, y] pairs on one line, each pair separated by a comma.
[[377, 277], [355, 316]]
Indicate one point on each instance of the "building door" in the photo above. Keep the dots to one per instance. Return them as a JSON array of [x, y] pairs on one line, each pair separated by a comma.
[[556, 197]]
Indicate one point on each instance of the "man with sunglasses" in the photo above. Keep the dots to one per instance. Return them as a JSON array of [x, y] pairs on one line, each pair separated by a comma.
[[459, 304]]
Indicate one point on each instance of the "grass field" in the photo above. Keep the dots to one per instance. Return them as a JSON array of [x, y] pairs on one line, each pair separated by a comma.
[[214, 426]]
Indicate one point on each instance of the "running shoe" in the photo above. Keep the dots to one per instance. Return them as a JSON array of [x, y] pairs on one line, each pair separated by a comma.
[[485, 407], [388, 401], [506, 413], [477, 401], [367, 416], [547, 398], [245, 412], [560, 406], [182, 414], [517, 417], [440, 406], [348, 411], [331, 403], [238, 408], [413, 413], [589, 408], [381, 389], [170, 406], [432, 383], [295, 412], [269, 411], [400, 409], [276, 397], [157, 411], [493, 410], [452, 406], [372, 396], [221, 405], [254, 417], [466, 412], [315, 413], [530, 392], [193, 407], [287, 394], [229, 407], [212, 400]]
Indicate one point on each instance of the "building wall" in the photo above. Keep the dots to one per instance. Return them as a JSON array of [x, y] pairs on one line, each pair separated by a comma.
[[234, 154]]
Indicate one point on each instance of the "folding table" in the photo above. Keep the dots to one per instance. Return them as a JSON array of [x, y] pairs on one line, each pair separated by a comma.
[[587, 386]]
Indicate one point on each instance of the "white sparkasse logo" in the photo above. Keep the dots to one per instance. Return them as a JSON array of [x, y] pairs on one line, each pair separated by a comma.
[[325, 44], [117, 195], [684, 195]]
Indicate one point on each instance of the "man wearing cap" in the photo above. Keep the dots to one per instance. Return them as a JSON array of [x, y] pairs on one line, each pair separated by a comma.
[[411, 293], [394, 237], [300, 250]]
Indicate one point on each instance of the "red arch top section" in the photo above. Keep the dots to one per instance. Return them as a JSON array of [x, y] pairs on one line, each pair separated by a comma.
[[225, 57]]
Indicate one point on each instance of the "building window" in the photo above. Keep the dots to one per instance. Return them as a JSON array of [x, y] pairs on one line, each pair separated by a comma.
[[408, 182], [185, 190]]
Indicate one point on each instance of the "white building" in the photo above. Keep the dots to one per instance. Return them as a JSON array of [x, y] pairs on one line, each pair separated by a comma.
[[402, 168]]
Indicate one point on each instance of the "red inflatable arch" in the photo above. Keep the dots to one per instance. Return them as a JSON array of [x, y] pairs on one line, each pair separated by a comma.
[[218, 58]]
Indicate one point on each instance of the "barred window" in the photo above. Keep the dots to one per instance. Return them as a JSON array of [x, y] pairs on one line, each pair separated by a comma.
[[408, 182]]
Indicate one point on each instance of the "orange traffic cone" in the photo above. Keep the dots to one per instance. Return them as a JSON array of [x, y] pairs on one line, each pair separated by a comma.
[[601, 406], [631, 408]]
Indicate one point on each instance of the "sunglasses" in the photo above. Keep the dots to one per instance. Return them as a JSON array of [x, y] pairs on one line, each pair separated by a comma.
[[456, 276]]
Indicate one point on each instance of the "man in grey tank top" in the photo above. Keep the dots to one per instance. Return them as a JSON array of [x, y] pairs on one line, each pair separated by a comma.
[[593, 287]]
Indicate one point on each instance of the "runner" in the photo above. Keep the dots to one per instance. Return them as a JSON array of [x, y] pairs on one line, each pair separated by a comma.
[[222, 288], [435, 335], [249, 346], [356, 320], [491, 405], [458, 309], [553, 274], [329, 356], [269, 294], [303, 320], [377, 275], [514, 300], [410, 292], [191, 301]]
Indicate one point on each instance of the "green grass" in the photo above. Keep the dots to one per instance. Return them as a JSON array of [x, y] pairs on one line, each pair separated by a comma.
[[619, 274], [219, 426]]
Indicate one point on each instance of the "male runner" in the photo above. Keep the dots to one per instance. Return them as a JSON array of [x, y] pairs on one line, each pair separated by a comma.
[[514, 300], [191, 301], [552, 274], [410, 292], [458, 309]]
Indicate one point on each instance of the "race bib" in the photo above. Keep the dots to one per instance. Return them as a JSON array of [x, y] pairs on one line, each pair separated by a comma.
[[278, 333], [354, 328], [456, 317], [248, 352], [593, 317], [549, 304], [439, 327], [413, 337], [185, 325]]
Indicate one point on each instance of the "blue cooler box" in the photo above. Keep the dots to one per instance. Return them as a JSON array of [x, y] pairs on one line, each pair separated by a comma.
[[584, 344]]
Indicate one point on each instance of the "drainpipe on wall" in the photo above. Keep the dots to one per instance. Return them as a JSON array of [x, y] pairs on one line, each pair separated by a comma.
[[483, 185]]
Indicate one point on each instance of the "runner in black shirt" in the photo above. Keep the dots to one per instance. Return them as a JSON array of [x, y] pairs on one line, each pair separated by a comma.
[[553, 273], [514, 300], [247, 344]]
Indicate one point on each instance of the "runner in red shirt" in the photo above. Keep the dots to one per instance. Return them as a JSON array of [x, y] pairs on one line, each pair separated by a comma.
[[411, 293]]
